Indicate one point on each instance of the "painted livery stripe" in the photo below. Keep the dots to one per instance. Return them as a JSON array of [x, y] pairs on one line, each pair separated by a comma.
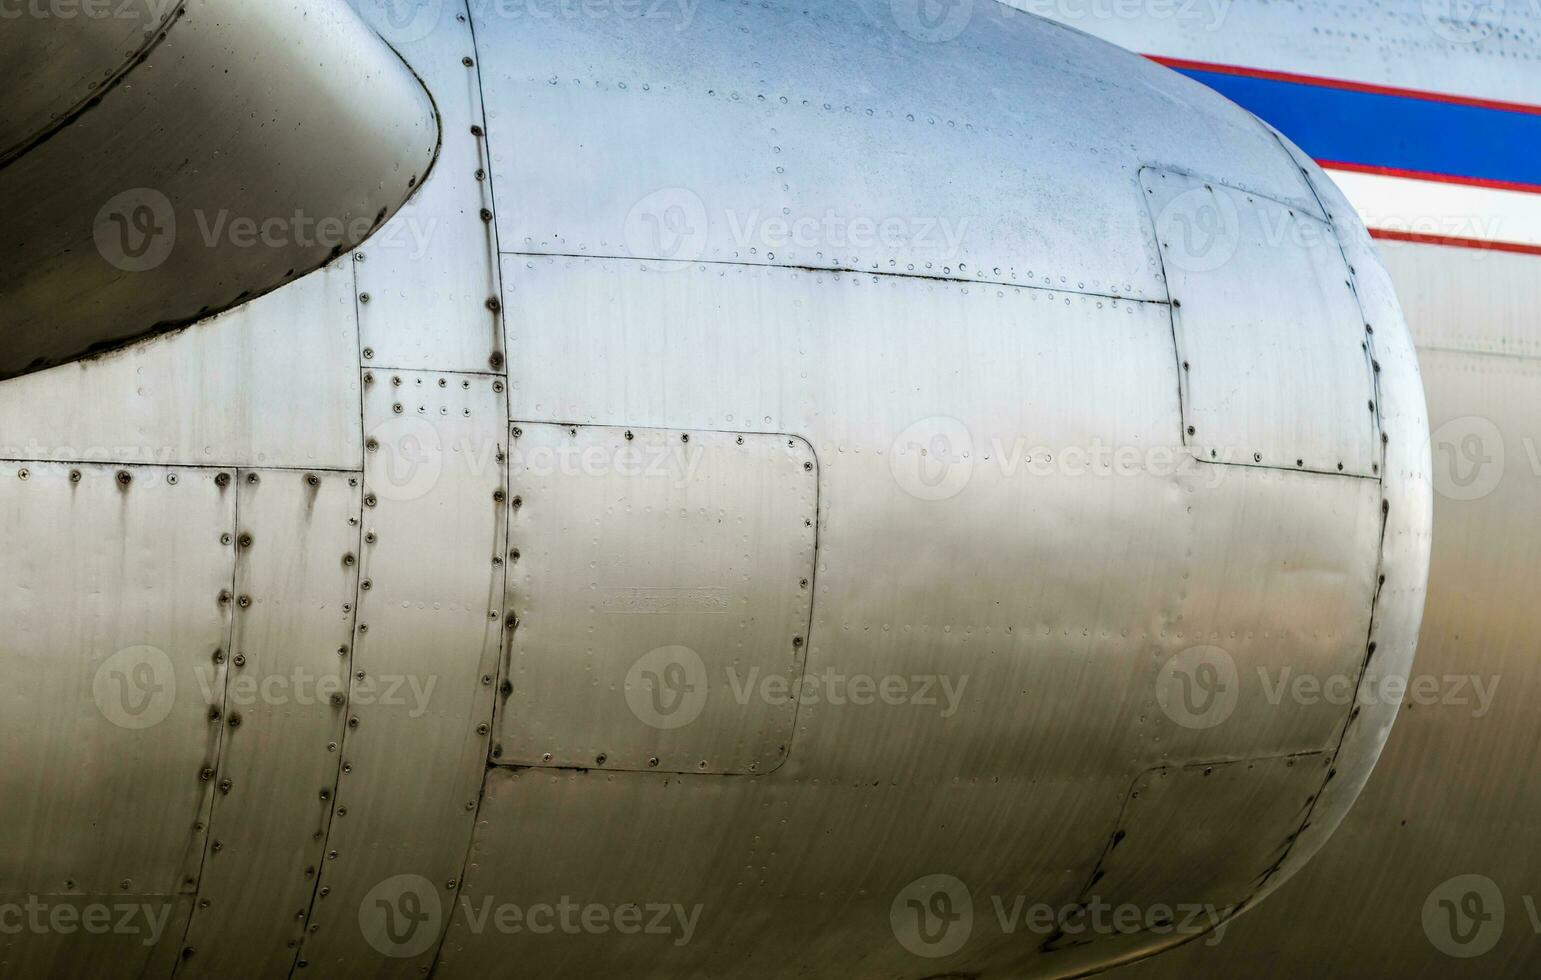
[[1380, 129]]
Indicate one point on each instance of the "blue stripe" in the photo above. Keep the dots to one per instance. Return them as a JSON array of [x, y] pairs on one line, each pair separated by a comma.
[[1400, 132]]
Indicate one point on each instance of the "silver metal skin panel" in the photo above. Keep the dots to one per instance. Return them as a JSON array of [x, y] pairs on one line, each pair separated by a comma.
[[784, 495], [1453, 808], [169, 160]]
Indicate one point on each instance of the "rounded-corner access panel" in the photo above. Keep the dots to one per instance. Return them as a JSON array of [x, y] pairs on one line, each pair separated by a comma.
[[662, 581], [1273, 357]]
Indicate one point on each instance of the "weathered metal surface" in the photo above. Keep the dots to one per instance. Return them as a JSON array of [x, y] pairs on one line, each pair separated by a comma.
[[430, 628], [72, 55], [1027, 591], [835, 139], [662, 575], [431, 274], [115, 592], [231, 159], [285, 697], [1308, 401], [237, 389]]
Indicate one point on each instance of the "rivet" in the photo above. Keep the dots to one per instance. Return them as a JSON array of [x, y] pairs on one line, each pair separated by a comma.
[[353, 722], [518, 432], [653, 762], [599, 760], [246, 541], [366, 585], [498, 387], [240, 660], [235, 720], [312, 479], [348, 559], [222, 479], [218, 846], [363, 297], [684, 437], [803, 583], [629, 436], [369, 353], [253, 478], [74, 476], [496, 360], [471, 805], [498, 495], [476, 130], [206, 774], [244, 601], [224, 596], [467, 61], [369, 500], [482, 729], [486, 215], [225, 785], [124, 478], [494, 304], [797, 641]]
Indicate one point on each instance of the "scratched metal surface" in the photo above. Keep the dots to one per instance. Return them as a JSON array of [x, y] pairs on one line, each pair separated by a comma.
[[1025, 592], [286, 682], [231, 159], [116, 597]]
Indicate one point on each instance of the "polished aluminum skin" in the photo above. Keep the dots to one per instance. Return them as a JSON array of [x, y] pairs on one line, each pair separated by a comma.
[[785, 497], [163, 161], [1436, 872]]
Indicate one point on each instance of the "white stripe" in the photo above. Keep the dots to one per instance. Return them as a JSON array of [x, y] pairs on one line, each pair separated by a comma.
[[1429, 207]]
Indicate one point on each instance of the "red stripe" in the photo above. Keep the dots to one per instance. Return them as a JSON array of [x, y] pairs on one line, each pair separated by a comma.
[[1365, 168], [1338, 83], [1454, 242]]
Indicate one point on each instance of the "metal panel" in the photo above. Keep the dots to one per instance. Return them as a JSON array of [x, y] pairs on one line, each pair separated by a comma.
[[285, 690], [429, 632], [1270, 336], [115, 592], [431, 274], [661, 575], [1192, 846], [245, 388], [840, 139], [229, 159]]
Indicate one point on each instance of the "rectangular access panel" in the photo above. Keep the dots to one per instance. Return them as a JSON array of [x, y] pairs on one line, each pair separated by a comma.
[[1271, 341], [663, 584]]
